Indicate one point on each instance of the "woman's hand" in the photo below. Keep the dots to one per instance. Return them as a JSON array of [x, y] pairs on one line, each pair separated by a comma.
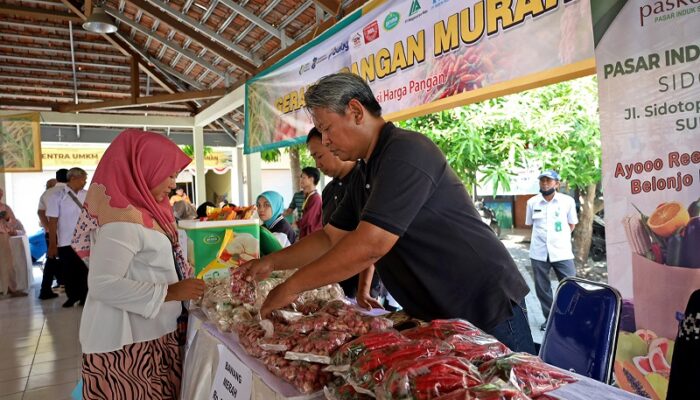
[[186, 289]]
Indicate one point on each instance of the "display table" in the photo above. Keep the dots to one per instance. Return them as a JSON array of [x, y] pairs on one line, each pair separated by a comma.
[[21, 262], [202, 361]]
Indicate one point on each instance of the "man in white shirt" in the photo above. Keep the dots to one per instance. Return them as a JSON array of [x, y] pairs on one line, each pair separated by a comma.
[[552, 216], [52, 266], [63, 209]]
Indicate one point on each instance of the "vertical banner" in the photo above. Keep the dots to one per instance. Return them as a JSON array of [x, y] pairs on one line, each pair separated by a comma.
[[648, 65], [421, 56]]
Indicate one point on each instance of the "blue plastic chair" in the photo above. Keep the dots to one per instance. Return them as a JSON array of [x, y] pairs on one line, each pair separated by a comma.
[[581, 333]]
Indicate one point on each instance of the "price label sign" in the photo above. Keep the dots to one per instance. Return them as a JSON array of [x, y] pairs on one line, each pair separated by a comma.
[[233, 380]]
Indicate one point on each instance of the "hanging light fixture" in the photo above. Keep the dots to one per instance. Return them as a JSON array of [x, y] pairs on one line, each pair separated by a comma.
[[99, 21]]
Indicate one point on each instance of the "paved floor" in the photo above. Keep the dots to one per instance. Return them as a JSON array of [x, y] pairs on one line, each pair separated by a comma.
[[40, 352], [39, 348]]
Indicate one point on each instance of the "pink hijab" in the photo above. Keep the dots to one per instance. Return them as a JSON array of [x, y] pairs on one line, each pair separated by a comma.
[[135, 162]]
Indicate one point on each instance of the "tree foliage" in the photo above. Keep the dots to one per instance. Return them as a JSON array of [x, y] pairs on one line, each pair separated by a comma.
[[557, 125]]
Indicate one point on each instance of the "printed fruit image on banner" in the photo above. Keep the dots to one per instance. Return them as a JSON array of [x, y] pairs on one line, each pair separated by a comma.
[[643, 363], [647, 58]]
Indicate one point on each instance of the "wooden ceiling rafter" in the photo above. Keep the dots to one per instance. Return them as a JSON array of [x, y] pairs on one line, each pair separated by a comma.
[[163, 13], [158, 99], [124, 49], [32, 12]]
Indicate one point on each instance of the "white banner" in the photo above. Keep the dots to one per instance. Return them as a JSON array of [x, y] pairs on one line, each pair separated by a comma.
[[648, 61]]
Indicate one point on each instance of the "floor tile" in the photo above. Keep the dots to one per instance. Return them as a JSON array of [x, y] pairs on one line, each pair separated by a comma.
[[56, 392], [52, 356], [16, 396], [70, 375], [14, 373], [12, 386], [58, 365]]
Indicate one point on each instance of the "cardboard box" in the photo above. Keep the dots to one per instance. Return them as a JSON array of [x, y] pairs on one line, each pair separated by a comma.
[[213, 247]]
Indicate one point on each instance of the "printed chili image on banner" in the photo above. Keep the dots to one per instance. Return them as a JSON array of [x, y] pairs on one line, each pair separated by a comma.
[[20, 143], [416, 52]]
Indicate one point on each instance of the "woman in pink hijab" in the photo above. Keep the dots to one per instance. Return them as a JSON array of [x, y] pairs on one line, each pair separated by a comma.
[[128, 329]]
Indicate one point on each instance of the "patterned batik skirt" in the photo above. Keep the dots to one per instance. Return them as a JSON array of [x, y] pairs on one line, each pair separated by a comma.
[[148, 370]]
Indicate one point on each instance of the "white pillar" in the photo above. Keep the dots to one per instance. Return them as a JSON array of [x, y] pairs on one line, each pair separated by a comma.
[[238, 176], [200, 181], [254, 183]]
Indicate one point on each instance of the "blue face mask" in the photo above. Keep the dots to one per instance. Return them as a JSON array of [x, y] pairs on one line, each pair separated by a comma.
[[547, 192]]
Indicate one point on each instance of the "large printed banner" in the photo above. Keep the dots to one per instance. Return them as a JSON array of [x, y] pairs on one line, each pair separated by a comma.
[[648, 61], [416, 53]]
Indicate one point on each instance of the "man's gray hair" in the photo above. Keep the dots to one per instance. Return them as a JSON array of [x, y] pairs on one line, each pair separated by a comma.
[[76, 173], [335, 91]]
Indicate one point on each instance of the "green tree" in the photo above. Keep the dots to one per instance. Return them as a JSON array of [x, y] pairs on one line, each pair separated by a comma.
[[567, 138], [189, 150], [557, 125], [298, 157]]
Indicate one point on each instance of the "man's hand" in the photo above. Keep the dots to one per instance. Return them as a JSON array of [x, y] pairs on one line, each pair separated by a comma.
[[367, 302], [257, 270], [186, 289], [278, 298], [52, 252]]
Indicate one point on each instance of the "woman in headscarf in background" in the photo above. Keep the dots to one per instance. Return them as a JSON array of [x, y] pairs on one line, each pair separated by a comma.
[[9, 226], [128, 329], [270, 206]]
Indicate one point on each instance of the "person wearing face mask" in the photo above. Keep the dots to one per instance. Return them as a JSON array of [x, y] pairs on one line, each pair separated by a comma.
[[552, 216]]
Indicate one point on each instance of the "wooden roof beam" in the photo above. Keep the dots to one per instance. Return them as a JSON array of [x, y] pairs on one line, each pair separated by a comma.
[[143, 101], [332, 7], [163, 13], [124, 49], [37, 13]]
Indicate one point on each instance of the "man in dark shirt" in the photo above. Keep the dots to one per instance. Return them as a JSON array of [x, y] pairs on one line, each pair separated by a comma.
[[365, 289], [410, 215]]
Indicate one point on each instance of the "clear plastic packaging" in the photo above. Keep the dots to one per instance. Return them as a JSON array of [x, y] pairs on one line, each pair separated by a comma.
[[344, 392], [497, 390], [427, 378], [317, 346], [526, 372], [477, 349], [351, 351], [442, 329], [242, 290], [306, 377], [369, 370]]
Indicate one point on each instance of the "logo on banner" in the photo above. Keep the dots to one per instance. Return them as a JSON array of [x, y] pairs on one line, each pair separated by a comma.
[[304, 68], [356, 40], [438, 3], [416, 11], [392, 19], [339, 49], [415, 7], [371, 32], [318, 60]]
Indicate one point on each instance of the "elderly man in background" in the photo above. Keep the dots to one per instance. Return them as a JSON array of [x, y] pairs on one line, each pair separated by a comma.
[[63, 210], [52, 266]]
